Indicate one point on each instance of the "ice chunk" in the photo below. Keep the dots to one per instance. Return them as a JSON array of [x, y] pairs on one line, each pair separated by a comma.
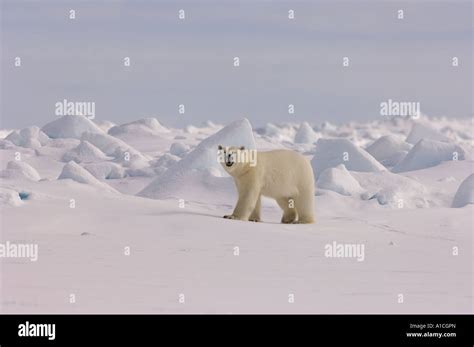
[[71, 127], [85, 153], [202, 158], [20, 170], [332, 152], [164, 162], [105, 125], [9, 197], [424, 131], [396, 191], [146, 126], [339, 180], [31, 137], [64, 143], [179, 149], [5, 144], [113, 146], [389, 150], [141, 172], [465, 193], [428, 153], [133, 160], [305, 134], [75, 172], [105, 170], [280, 133]]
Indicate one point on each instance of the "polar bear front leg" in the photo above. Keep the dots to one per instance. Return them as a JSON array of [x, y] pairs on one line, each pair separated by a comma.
[[245, 205], [255, 216]]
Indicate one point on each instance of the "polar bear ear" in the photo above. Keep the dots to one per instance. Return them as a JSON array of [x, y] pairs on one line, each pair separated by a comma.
[[242, 148], [219, 147]]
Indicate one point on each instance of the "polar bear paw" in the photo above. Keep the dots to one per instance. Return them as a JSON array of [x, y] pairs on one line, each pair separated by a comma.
[[234, 217]]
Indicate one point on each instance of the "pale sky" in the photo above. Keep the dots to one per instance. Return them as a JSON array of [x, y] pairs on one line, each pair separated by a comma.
[[190, 61]]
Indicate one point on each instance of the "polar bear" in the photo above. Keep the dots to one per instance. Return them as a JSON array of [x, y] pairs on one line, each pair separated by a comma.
[[283, 175]]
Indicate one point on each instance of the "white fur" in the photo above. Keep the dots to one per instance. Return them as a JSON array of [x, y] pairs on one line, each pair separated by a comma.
[[283, 175]]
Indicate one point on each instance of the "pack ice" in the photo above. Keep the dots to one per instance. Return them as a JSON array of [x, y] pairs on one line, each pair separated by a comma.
[[161, 192]]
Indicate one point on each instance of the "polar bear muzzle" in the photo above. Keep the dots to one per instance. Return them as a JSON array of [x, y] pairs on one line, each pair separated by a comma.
[[229, 159]]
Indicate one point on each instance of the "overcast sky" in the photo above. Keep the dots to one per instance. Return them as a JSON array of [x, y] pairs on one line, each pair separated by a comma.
[[190, 61]]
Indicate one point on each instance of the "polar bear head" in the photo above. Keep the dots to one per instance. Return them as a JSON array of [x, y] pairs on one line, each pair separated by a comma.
[[235, 160]]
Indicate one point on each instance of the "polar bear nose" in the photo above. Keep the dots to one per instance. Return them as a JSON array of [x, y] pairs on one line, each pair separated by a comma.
[[229, 162]]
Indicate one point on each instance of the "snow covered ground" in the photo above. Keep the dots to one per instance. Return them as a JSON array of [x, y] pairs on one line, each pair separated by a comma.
[[128, 218]]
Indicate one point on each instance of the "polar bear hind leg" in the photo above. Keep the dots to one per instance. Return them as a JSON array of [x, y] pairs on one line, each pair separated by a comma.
[[305, 208], [289, 211]]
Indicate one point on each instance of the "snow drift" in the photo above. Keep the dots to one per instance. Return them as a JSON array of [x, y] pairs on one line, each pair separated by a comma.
[[202, 158], [396, 191], [105, 170], [20, 170], [75, 172], [31, 137], [195, 185], [85, 152], [71, 127], [120, 150], [146, 126], [332, 152]]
